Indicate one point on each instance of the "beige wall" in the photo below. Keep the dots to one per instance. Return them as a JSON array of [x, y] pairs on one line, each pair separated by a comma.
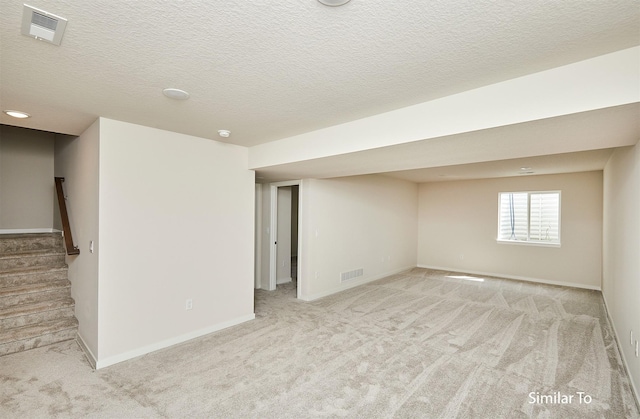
[[77, 160], [458, 229], [26, 179], [621, 255], [366, 222]]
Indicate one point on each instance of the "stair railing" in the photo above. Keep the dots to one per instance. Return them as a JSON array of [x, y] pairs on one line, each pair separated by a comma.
[[66, 227]]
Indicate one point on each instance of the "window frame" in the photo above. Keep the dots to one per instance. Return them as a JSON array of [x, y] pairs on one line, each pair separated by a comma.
[[529, 242]]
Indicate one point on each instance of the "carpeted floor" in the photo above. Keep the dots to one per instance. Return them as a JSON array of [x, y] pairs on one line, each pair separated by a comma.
[[418, 344]]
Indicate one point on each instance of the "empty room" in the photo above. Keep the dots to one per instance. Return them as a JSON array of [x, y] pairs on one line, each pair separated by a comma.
[[320, 208]]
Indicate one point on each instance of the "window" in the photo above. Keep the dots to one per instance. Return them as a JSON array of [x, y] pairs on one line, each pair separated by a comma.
[[529, 217]]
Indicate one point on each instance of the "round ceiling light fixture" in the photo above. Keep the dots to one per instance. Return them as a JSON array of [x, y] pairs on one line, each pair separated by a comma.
[[17, 114], [175, 94], [334, 3], [225, 133]]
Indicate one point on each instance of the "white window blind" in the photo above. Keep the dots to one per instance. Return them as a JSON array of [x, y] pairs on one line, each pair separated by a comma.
[[529, 217]]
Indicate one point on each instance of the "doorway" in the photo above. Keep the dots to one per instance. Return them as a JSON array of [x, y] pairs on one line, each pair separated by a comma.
[[285, 266]]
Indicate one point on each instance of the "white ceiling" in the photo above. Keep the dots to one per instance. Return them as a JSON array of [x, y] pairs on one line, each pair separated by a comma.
[[580, 142], [268, 70], [582, 161]]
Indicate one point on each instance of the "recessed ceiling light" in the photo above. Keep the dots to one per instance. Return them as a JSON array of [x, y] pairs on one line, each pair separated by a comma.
[[176, 94], [334, 3], [224, 133], [525, 168], [17, 114]]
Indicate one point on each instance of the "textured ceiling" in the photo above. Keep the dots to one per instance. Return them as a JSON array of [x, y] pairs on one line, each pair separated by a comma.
[[267, 70]]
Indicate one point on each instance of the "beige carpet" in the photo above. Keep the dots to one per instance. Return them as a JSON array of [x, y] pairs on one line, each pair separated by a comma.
[[417, 344]]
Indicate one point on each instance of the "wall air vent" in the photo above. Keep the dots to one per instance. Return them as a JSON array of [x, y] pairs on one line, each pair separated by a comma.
[[42, 25], [345, 276]]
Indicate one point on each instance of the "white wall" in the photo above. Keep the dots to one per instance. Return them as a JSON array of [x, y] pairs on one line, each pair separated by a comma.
[[357, 222], [26, 179], [171, 217], [176, 223], [77, 160], [458, 230], [621, 261]]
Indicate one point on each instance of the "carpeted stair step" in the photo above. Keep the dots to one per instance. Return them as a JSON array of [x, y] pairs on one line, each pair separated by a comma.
[[36, 308], [33, 336], [33, 276], [29, 314], [19, 261], [33, 293], [21, 243]]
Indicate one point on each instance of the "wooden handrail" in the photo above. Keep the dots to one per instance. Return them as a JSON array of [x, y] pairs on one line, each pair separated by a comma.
[[66, 227]]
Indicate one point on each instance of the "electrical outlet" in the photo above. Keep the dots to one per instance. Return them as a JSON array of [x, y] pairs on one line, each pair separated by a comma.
[[317, 275], [636, 348], [631, 337], [188, 304]]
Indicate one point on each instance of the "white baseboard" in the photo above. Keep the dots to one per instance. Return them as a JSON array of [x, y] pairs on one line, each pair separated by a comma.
[[28, 230], [624, 359], [283, 281], [518, 278], [170, 342], [352, 283], [87, 352]]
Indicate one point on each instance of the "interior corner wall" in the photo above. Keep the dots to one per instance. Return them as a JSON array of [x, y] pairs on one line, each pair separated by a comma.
[[458, 226], [621, 264], [26, 179], [360, 222], [76, 159], [176, 223]]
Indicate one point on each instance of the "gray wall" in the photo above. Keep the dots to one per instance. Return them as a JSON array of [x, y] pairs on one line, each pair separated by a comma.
[[26, 179]]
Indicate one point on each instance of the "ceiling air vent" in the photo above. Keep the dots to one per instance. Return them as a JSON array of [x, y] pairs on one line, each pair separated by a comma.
[[42, 25]]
